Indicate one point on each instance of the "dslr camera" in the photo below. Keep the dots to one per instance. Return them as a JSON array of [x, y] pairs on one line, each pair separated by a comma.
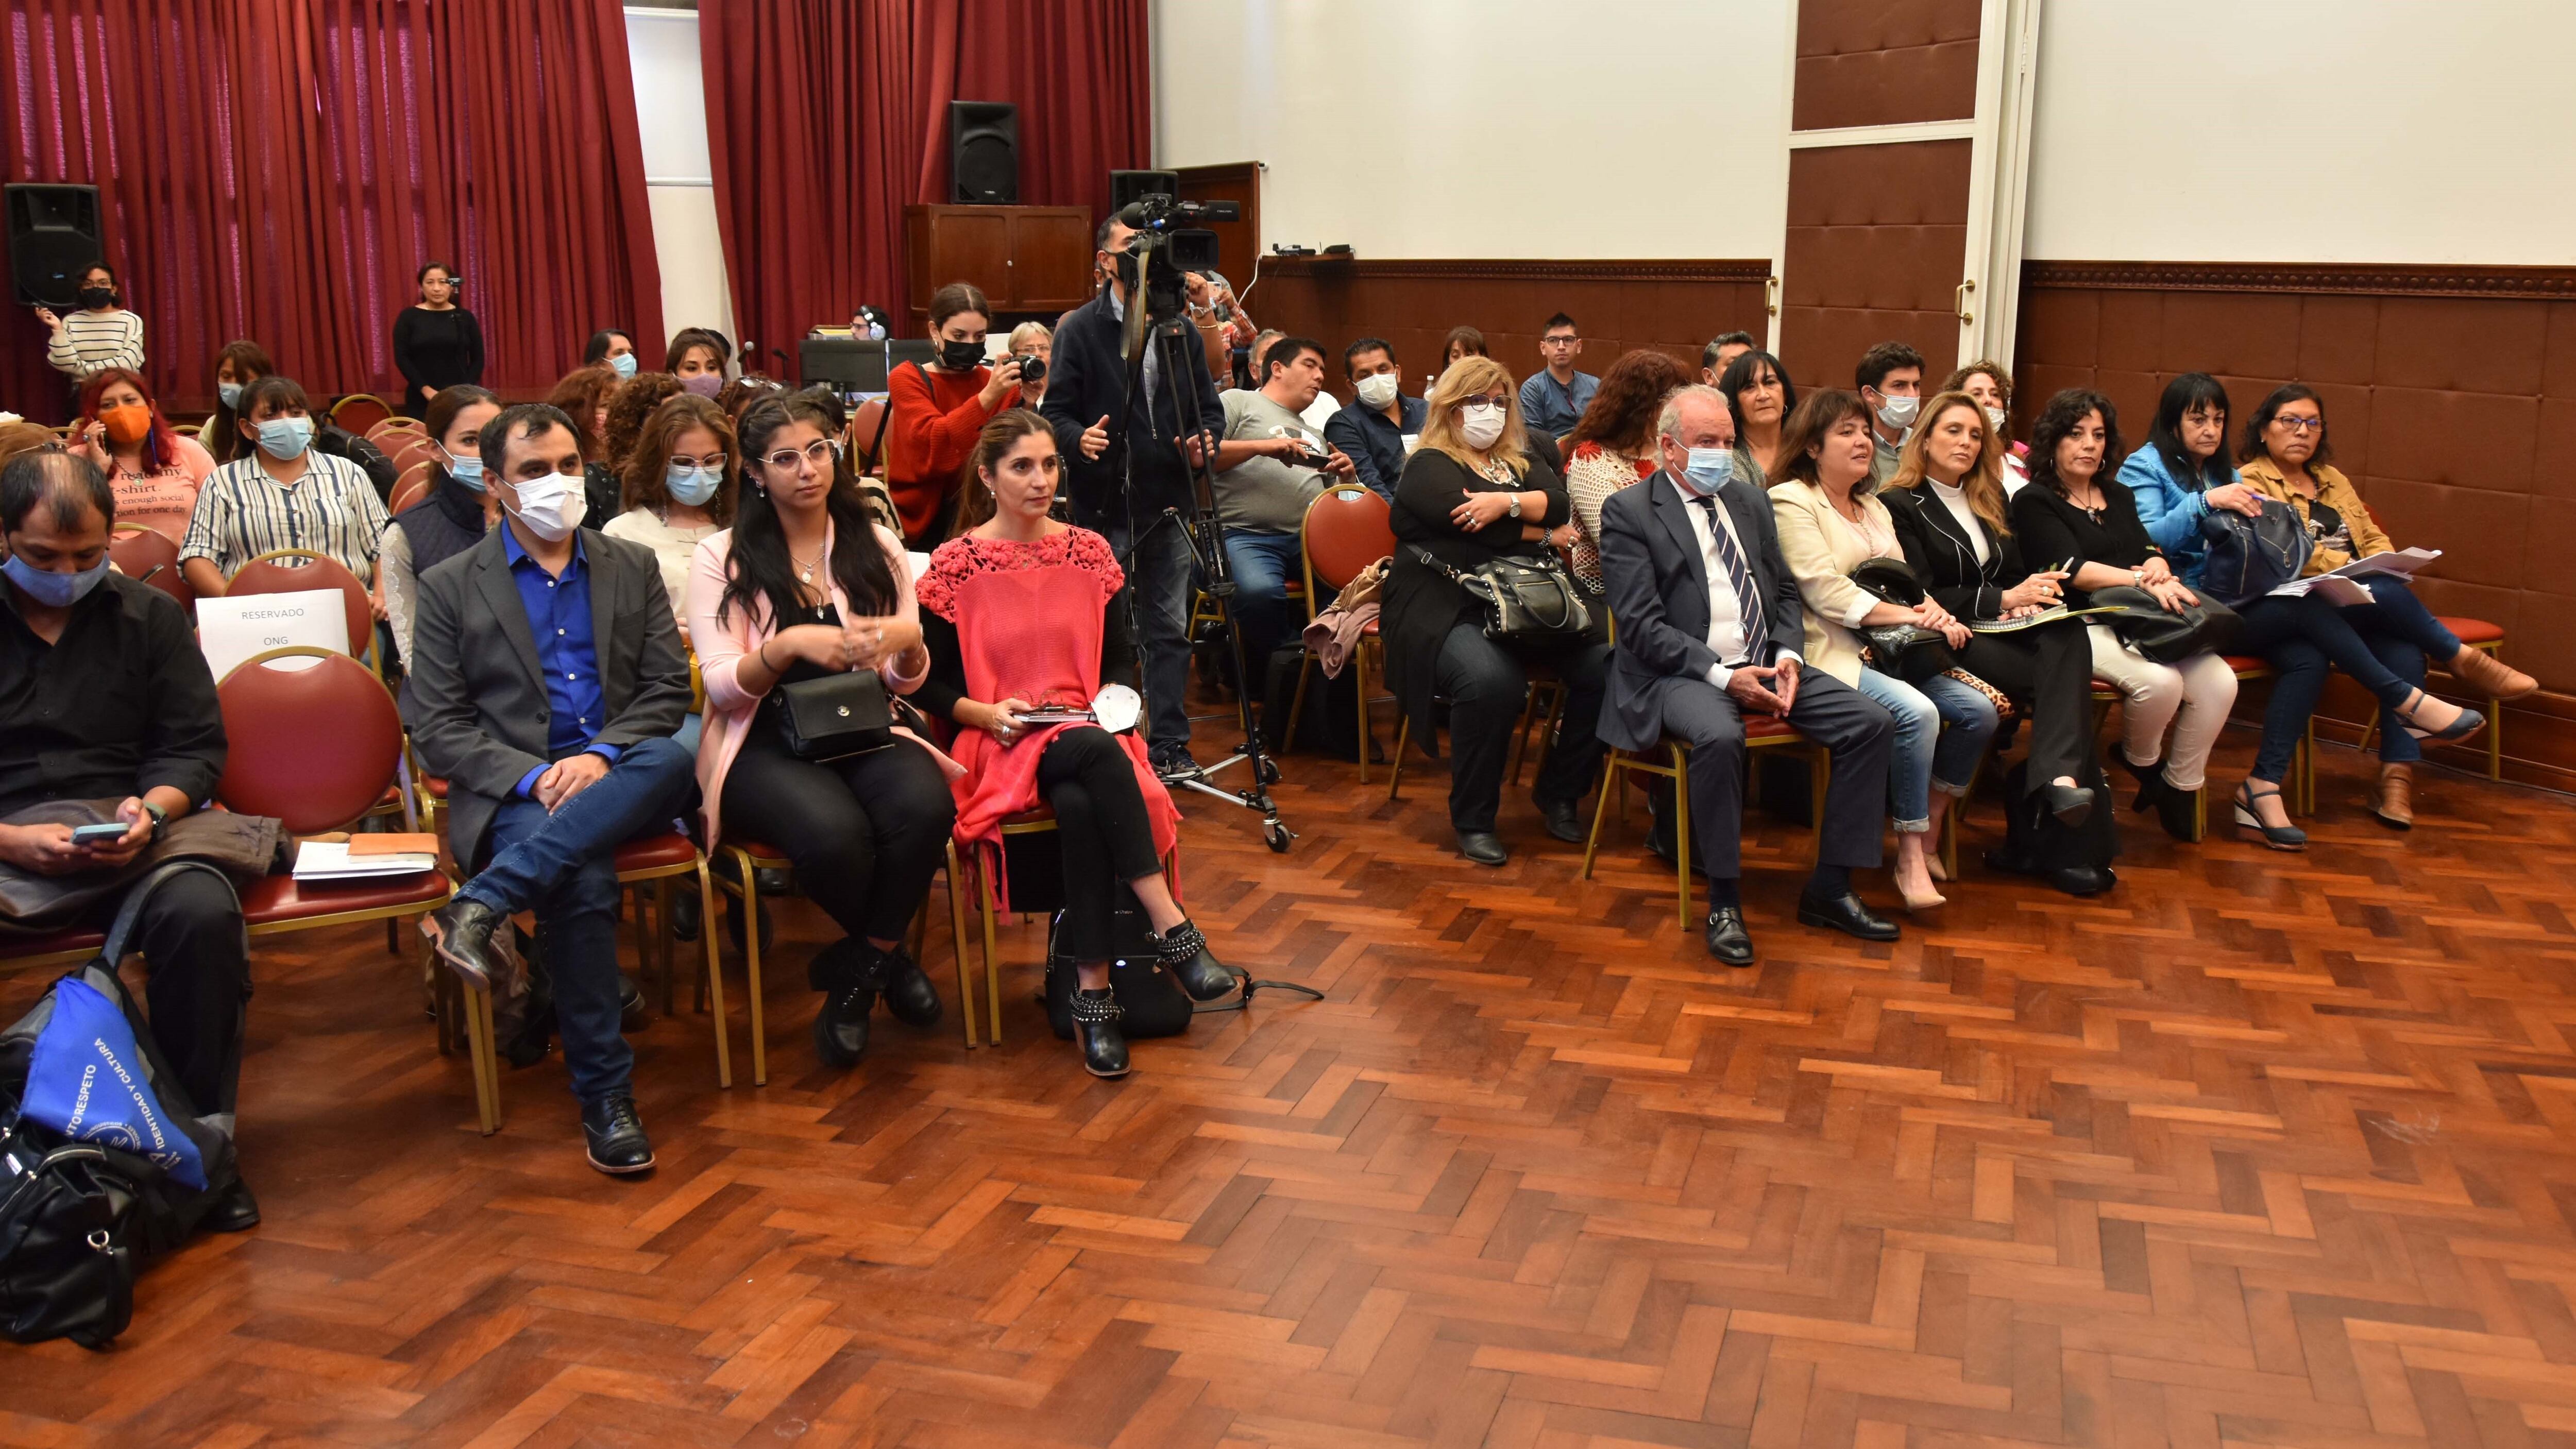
[[1032, 367]]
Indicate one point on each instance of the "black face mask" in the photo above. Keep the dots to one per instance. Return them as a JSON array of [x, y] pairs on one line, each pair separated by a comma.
[[961, 356], [98, 296]]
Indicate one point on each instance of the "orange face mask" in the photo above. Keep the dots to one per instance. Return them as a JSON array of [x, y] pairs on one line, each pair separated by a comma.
[[126, 425]]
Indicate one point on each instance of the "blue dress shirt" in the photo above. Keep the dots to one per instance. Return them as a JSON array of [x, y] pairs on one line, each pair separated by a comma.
[[1549, 408], [1374, 445], [567, 652]]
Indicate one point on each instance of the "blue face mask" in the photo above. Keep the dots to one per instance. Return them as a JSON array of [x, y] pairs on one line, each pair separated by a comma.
[[1710, 469], [230, 392], [285, 439], [691, 486], [467, 471], [53, 590], [623, 364]]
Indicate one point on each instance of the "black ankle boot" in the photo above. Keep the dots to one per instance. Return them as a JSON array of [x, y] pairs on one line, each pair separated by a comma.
[[2178, 811], [908, 992], [1095, 1030], [1186, 952], [847, 973], [2150, 777]]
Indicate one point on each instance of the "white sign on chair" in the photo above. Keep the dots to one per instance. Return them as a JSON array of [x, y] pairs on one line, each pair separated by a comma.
[[232, 630]]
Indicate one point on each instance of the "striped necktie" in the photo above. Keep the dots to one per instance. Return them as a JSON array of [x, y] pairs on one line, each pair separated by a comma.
[[1748, 600]]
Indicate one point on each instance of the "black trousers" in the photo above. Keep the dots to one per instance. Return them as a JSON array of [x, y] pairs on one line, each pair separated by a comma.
[[198, 979], [1486, 685], [866, 833], [2051, 668], [1856, 731], [1104, 833]]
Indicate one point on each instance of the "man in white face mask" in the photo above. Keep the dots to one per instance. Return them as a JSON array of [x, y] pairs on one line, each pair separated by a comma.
[[1890, 377], [547, 679], [1380, 426]]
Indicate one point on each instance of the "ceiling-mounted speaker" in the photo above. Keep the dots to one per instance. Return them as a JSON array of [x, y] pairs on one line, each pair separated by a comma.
[[984, 152]]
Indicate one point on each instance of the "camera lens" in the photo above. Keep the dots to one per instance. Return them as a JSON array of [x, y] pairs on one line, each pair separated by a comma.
[[1032, 368]]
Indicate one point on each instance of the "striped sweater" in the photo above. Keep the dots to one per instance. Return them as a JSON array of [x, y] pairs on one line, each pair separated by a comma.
[[88, 341]]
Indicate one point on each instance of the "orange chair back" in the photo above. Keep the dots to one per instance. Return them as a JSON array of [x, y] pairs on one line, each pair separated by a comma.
[[865, 424], [143, 553], [381, 432], [410, 488], [315, 746], [1346, 531], [359, 412], [409, 451], [298, 571]]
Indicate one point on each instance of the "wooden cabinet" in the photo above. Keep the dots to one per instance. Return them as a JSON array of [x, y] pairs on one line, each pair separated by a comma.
[[1033, 260]]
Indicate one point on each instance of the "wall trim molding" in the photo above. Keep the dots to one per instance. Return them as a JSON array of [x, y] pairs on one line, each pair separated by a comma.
[[2545, 284], [1752, 270], [1894, 133]]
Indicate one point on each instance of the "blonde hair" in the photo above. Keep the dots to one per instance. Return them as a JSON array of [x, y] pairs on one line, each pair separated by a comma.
[[1467, 377], [1984, 480], [1028, 332]]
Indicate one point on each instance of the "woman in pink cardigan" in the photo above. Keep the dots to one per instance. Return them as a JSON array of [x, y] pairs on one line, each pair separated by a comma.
[[802, 586]]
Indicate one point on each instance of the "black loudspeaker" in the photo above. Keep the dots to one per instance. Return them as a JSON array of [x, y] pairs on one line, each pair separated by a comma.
[[1128, 187], [53, 238], [984, 152]]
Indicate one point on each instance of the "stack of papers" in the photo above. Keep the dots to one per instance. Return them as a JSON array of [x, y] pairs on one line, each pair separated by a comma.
[[2342, 586], [359, 859]]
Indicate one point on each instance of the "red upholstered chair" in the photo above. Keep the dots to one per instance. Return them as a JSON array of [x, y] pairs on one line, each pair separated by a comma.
[[1346, 530], [410, 488], [973, 869], [409, 451], [862, 438], [143, 553], [2477, 634], [1760, 733], [359, 413], [301, 570], [68, 947], [393, 432]]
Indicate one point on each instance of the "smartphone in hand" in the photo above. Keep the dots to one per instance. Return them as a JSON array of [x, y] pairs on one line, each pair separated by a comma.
[[105, 833]]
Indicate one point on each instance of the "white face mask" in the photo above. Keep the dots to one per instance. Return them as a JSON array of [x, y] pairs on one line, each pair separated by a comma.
[[1898, 412], [1480, 426], [1377, 389], [1995, 420], [552, 506]]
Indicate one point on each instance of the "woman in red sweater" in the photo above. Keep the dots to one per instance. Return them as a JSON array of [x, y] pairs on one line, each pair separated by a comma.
[[935, 412]]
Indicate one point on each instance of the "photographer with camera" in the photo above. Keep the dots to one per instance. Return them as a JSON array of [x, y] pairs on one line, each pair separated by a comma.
[[934, 412], [1085, 397], [1032, 343], [1270, 467]]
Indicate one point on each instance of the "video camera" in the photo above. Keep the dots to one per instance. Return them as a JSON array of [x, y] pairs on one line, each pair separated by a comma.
[[1167, 242]]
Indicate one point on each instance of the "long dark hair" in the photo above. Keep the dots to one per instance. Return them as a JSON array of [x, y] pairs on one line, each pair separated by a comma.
[[1806, 428], [2191, 390], [1739, 376], [220, 434], [759, 575], [157, 449], [2060, 416], [2252, 448], [1622, 415]]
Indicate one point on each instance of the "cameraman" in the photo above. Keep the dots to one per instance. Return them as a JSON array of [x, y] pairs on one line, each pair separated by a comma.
[[1086, 391]]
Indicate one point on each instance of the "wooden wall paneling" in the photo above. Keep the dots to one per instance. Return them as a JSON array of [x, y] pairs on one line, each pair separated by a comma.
[[1885, 62], [2450, 397], [1238, 242], [1873, 250]]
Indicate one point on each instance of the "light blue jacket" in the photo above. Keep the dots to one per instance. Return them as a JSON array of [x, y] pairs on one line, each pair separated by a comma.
[[2171, 509]]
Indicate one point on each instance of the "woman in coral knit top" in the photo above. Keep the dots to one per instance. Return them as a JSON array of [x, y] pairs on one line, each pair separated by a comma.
[[935, 412]]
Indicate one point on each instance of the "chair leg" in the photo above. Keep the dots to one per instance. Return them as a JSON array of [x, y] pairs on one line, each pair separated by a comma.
[[1366, 736], [1296, 702], [957, 935], [487, 1082], [1521, 729], [2495, 738], [1819, 775], [986, 892], [1395, 767], [714, 990], [751, 988], [1682, 841], [1610, 768], [662, 919]]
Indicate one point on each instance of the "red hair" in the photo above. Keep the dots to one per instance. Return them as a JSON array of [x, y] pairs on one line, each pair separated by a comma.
[[157, 451]]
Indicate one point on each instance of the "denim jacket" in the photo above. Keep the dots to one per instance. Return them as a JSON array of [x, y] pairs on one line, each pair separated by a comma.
[[2172, 508]]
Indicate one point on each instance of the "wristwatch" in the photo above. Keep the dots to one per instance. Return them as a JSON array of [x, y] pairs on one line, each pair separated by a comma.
[[1515, 510], [160, 818]]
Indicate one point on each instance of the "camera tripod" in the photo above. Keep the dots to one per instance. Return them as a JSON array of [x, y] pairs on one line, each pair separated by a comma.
[[1161, 324]]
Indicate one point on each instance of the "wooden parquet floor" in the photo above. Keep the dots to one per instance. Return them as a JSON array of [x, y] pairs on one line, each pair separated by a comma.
[[2260, 1150]]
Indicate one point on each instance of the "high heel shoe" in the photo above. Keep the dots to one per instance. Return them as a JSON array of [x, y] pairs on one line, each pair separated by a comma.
[[2071, 804], [2178, 811], [1095, 1030], [2279, 837], [1185, 952], [2150, 777], [2468, 723]]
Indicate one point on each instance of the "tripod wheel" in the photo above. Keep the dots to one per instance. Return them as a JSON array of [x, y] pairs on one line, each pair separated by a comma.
[[1278, 837], [1269, 771]]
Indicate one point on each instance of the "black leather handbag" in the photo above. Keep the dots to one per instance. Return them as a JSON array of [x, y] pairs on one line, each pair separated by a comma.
[[1526, 599], [835, 717], [2250, 557], [2162, 635], [1906, 651]]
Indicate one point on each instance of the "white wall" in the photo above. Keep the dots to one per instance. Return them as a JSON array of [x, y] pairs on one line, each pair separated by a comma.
[[671, 109], [2431, 131], [1509, 128]]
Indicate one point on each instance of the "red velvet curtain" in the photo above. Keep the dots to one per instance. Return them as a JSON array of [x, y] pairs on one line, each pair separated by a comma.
[[826, 117], [279, 169]]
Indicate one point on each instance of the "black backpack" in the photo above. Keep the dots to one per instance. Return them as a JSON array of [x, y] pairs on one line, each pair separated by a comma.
[[78, 1219]]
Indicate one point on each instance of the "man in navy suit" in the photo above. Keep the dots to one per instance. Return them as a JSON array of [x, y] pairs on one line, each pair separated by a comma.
[[1709, 625]]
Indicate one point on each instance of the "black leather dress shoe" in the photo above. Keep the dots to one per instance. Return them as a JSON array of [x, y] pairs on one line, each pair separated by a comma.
[[1728, 941], [2071, 804], [1562, 822], [908, 992], [1845, 913], [461, 931], [618, 1145], [847, 973], [632, 1016], [1483, 847], [1185, 951], [236, 1212]]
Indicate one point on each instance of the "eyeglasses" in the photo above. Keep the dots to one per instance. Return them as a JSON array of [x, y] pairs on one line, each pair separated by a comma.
[[1485, 400], [711, 461], [2300, 425], [1558, 341], [819, 452]]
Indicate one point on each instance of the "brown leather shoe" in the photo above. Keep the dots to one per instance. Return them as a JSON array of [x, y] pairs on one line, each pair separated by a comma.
[[2395, 807], [2482, 671]]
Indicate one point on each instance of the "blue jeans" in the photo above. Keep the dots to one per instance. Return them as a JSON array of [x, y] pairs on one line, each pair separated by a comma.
[[2382, 645], [1160, 571], [1263, 563], [563, 866], [1942, 730]]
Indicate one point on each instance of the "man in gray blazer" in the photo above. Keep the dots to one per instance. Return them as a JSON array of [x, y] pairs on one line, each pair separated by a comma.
[[1709, 624], [547, 679]]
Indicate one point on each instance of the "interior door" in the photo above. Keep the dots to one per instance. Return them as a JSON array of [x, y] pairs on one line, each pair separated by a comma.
[[1907, 159]]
